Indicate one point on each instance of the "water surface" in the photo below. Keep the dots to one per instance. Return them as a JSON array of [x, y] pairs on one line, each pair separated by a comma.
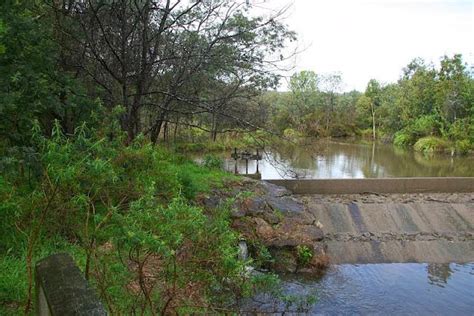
[[328, 159], [389, 289]]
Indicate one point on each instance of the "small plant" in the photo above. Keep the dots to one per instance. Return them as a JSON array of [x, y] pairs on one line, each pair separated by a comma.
[[213, 162], [305, 254], [262, 256]]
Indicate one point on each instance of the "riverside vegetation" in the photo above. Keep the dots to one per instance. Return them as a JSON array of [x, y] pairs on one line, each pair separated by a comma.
[[430, 108], [90, 91], [95, 95]]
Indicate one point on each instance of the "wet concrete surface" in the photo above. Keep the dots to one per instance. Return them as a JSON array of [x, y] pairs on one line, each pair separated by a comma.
[[389, 228]]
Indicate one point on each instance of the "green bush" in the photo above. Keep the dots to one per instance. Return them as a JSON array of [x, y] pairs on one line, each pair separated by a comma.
[[402, 139], [462, 129], [424, 125], [463, 146], [305, 254], [365, 133], [115, 208], [431, 144], [213, 162]]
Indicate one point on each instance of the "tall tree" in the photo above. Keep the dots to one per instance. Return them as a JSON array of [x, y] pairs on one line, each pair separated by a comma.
[[151, 53], [371, 101]]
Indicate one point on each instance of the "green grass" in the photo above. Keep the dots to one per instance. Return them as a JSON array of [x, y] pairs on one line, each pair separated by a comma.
[[13, 280], [141, 197]]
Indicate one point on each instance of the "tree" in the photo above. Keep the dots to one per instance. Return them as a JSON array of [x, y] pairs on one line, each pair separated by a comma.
[[331, 85], [371, 101], [32, 85], [304, 93], [160, 57], [453, 89]]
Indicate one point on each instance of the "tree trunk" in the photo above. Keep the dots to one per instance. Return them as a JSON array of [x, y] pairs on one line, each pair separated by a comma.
[[165, 132], [175, 129], [214, 128], [156, 129], [373, 125]]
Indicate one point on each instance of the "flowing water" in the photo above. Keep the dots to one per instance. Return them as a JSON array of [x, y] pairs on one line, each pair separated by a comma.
[[328, 159], [389, 289], [370, 289]]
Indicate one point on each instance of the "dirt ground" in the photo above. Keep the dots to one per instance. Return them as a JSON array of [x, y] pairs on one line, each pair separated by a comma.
[[375, 228]]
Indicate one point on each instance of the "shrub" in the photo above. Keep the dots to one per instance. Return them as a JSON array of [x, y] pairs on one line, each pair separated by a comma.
[[291, 134], [116, 208], [463, 146], [424, 125], [341, 130], [402, 139], [305, 254], [213, 162], [431, 144], [365, 133]]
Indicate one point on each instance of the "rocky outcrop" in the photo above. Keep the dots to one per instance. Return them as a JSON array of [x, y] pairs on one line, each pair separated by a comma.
[[267, 214]]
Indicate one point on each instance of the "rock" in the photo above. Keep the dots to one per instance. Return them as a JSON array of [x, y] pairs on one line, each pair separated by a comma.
[[272, 218], [289, 233], [245, 227], [284, 260], [275, 190], [254, 205], [212, 201], [285, 205], [264, 230], [237, 213]]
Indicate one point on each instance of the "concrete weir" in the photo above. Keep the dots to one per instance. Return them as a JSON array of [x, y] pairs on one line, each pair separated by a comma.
[[385, 185], [392, 220]]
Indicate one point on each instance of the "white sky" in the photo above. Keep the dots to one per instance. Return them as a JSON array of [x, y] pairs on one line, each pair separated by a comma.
[[377, 38]]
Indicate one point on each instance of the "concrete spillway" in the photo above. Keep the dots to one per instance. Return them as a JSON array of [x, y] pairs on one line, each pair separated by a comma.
[[392, 220], [420, 231], [384, 185]]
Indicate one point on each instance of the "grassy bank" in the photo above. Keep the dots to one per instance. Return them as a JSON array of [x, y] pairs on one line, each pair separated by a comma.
[[122, 213]]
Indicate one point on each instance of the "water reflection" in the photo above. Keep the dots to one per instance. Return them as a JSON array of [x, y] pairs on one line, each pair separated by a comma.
[[348, 160], [392, 289], [439, 273]]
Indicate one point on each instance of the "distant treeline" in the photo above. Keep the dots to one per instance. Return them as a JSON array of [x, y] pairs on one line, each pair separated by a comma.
[[430, 108]]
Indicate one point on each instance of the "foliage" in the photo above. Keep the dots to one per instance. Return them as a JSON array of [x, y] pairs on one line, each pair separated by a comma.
[[463, 146], [261, 256], [32, 87], [403, 139], [427, 101], [314, 107], [431, 144], [213, 162], [102, 201], [304, 254]]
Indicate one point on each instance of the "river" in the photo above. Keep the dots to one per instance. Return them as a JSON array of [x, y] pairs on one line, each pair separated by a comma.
[[374, 289], [329, 159], [388, 289]]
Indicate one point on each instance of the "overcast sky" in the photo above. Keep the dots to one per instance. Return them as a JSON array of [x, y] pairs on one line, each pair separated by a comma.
[[377, 38]]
